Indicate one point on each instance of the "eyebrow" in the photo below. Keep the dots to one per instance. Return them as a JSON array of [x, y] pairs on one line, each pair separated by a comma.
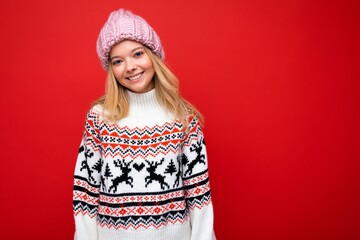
[[130, 51]]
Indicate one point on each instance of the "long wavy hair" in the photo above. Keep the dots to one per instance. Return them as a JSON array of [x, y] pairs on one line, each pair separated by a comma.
[[115, 102]]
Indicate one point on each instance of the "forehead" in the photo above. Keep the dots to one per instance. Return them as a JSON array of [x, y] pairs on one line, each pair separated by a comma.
[[124, 48]]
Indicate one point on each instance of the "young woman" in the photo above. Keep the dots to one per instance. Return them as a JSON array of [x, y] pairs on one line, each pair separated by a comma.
[[142, 169]]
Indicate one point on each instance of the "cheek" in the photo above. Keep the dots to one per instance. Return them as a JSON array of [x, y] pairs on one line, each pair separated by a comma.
[[147, 63], [150, 69], [118, 72]]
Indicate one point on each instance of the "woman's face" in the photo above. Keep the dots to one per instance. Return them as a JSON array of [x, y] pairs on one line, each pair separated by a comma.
[[132, 67]]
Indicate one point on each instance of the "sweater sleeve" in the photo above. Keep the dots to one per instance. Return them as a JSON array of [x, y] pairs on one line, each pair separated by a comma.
[[196, 183], [87, 181]]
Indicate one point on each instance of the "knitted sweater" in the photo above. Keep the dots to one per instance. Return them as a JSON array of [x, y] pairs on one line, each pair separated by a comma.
[[142, 177]]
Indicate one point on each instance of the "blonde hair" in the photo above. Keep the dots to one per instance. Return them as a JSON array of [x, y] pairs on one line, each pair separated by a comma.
[[115, 102]]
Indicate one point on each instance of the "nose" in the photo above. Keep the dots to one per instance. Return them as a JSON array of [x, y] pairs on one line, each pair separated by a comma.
[[131, 66]]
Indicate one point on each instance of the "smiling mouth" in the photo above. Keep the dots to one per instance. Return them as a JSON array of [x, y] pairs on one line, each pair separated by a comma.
[[137, 76]]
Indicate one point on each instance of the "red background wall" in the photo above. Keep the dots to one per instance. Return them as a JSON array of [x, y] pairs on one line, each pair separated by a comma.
[[278, 83]]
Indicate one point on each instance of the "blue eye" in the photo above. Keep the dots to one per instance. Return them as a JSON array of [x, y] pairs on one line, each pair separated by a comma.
[[138, 54], [116, 62]]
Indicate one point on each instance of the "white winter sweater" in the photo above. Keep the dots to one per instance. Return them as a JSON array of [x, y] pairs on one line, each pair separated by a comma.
[[142, 178]]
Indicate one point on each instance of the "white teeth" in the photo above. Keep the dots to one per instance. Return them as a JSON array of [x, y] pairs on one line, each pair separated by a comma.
[[135, 77]]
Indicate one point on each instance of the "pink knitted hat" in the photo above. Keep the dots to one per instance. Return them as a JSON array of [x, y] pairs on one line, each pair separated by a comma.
[[123, 24]]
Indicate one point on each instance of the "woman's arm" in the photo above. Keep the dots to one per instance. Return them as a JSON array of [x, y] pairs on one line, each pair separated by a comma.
[[87, 181], [196, 183]]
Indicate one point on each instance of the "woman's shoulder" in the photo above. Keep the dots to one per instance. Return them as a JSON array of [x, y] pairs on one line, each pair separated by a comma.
[[192, 114], [95, 113], [193, 117], [96, 109]]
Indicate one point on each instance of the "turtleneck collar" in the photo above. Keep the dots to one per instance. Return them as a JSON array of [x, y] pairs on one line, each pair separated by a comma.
[[143, 103]]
